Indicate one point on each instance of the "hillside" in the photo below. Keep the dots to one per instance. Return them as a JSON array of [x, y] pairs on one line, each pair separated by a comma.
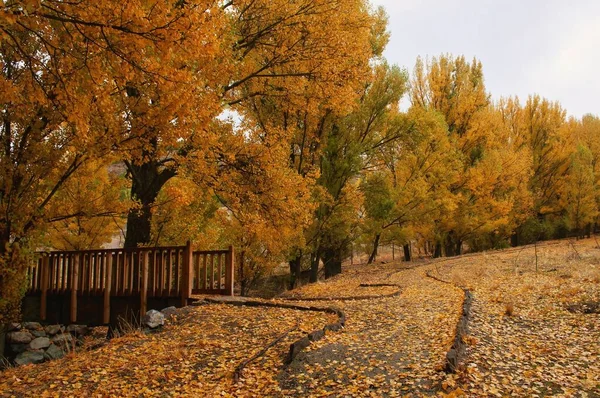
[[529, 333]]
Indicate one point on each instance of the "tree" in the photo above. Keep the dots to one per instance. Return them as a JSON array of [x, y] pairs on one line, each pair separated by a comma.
[[411, 188], [579, 194], [491, 169], [66, 67], [291, 52], [88, 211]]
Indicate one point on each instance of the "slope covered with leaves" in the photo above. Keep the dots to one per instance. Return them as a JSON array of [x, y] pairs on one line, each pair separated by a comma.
[[529, 333]]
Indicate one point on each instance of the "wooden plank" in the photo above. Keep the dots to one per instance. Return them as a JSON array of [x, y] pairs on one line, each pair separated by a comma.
[[161, 285], [44, 287], [154, 274], [186, 270], [63, 273], [169, 273], [229, 271], [107, 289], [96, 284], [204, 273], [144, 288], [123, 273], [131, 264], [220, 278], [176, 273], [75, 272]]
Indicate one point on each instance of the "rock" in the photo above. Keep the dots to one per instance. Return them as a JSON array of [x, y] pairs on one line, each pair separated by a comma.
[[38, 333], [39, 343], [13, 326], [64, 340], [54, 329], [78, 330], [20, 337], [54, 352], [154, 319], [32, 326], [28, 357], [169, 312]]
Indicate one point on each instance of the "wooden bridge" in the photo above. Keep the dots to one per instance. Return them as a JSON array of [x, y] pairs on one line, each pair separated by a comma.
[[84, 285]]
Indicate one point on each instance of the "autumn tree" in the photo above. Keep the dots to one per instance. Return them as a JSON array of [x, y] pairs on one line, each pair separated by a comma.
[[67, 70], [579, 194], [88, 211], [490, 170], [411, 187], [294, 52]]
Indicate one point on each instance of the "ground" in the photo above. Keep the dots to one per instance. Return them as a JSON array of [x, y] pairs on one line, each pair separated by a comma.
[[530, 332]]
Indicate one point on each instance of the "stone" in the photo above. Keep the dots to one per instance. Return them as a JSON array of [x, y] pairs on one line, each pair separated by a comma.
[[39, 333], [54, 352], [63, 340], [154, 319], [54, 329], [169, 312], [39, 343], [32, 326], [78, 330], [29, 357], [20, 337]]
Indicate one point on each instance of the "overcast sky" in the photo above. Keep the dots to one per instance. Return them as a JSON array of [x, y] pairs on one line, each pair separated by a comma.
[[548, 47]]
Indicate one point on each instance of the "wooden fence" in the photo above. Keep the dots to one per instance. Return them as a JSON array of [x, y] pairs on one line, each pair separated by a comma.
[[163, 272]]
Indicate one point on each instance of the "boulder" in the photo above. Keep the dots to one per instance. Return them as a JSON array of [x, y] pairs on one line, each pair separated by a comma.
[[38, 333], [54, 352], [54, 329], [169, 312], [78, 330], [154, 319], [28, 357], [32, 326], [39, 343], [19, 337], [64, 340]]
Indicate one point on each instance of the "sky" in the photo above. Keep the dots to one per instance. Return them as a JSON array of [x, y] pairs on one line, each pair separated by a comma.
[[550, 48]]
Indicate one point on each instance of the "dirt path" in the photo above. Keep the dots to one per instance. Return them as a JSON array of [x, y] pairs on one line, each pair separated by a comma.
[[390, 347]]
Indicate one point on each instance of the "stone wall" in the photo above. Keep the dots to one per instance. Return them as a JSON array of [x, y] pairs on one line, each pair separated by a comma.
[[30, 342]]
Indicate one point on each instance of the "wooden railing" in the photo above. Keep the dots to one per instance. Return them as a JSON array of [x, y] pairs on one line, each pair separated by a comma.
[[163, 272]]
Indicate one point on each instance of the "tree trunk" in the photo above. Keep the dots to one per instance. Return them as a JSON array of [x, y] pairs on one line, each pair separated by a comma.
[[459, 248], [332, 260], [407, 256], [514, 239], [437, 253], [314, 267], [588, 230], [373, 255], [450, 245], [295, 270], [147, 181]]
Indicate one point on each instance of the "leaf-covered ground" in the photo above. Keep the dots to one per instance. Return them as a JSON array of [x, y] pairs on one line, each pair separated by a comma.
[[525, 341], [528, 336]]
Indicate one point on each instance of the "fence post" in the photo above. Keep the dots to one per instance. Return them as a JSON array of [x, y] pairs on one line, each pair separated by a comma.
[[144, 287], [107, 287], [229, 271], [44, 286], [74, 280], [186, 277]]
